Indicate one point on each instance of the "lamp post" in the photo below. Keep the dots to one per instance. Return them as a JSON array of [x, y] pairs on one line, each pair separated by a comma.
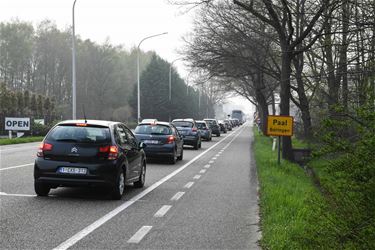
[[138, 85], [170, 82], [170, 77], [74, 85]]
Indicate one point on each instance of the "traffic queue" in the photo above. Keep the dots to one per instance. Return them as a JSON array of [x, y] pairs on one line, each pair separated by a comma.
[[78, 153]]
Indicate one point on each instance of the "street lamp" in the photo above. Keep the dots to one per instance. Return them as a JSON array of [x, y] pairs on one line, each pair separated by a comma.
[[74, 95], [170, 77], [138, 85]]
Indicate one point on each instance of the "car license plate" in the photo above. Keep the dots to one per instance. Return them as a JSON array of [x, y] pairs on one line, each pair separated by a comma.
[[70, 170], [151, 141]]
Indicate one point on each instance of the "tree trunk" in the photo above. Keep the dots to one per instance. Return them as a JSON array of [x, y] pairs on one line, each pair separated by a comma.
[[287, 56], [303, 100], [263, 109]]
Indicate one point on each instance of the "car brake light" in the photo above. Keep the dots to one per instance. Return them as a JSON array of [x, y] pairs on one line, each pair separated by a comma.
[[81, 124], [112, 151], [170, 139], [194, 129], [44, 147], [104, 149]]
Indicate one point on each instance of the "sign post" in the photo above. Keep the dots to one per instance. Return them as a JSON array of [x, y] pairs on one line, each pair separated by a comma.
[[278, 125], [16, 124]]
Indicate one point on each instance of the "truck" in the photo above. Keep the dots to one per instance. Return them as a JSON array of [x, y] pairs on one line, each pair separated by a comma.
[[238, 114]]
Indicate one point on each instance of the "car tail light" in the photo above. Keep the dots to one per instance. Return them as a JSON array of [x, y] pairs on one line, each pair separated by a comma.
[[171, 139], [194, 129], [104, 149], [112, 151], [44, 147]]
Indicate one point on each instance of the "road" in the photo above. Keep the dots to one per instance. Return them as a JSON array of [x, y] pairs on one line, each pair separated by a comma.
[[206, 201]]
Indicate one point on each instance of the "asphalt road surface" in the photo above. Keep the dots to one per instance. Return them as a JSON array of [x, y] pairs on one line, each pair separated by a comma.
[[206, 201]]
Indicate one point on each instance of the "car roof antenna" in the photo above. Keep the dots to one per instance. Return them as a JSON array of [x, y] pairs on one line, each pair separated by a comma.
[[84, 113]]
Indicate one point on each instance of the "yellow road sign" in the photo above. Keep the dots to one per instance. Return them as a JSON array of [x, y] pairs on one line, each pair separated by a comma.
[[278, 125]]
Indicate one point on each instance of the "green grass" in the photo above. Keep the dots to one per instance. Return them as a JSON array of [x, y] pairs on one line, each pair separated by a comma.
[[284, 194], [21, 140]]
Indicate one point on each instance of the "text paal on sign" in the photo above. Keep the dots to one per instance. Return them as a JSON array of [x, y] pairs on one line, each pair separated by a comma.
[[278, 125]]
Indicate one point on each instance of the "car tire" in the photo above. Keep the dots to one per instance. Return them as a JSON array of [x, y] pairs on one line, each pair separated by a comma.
[[196, 146], [41, 189], [200, 143], [218, 134], [181, 155], [142, 177], [173, 159], [119, 187]]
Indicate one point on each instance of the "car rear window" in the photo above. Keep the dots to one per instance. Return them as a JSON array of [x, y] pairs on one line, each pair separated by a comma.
[[147, 129], [201, 125], [211, 122], [183, 124], [85, 134]]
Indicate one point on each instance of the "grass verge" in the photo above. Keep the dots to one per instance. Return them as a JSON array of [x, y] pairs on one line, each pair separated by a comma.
[[21, 140], [285, 192]]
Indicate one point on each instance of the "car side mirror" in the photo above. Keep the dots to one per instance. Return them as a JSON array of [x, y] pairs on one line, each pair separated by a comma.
[[142, 145]]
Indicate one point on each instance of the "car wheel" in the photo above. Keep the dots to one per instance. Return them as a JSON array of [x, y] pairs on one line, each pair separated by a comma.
[[196, 146], [142, 177], [119, 187], [218, 134], [200, 143], [181, 155], [173, 160], [41, 189]]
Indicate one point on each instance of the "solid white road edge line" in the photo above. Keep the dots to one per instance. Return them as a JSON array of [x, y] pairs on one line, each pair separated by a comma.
[[19, 166], [189, 184], [138, 236], [17, 195], [90, 228], [177, 196], [18, 148], [162, 211]]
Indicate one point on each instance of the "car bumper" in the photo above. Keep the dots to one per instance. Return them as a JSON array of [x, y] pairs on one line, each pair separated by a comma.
[[101, 174], [190, 140], [159, 150], [205, 135]]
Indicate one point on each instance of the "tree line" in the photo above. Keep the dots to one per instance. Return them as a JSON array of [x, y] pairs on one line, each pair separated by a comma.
[[25, 104], [315, 59], [37, 61]]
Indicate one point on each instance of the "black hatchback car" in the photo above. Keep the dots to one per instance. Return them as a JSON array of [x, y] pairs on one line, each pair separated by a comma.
[[89, 153], [162, 140]]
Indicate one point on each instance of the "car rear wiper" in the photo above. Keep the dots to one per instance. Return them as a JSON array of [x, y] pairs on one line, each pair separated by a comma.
[[70, 140]]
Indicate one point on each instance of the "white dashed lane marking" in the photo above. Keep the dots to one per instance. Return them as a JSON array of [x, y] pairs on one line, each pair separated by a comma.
[[211, 162], [189, 184], [138, 236], [162, 211], [202, 171], [207, 166], [196, 177], [177, 196]]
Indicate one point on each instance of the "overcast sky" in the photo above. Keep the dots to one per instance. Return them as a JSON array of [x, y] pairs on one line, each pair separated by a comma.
[[123, 22]]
